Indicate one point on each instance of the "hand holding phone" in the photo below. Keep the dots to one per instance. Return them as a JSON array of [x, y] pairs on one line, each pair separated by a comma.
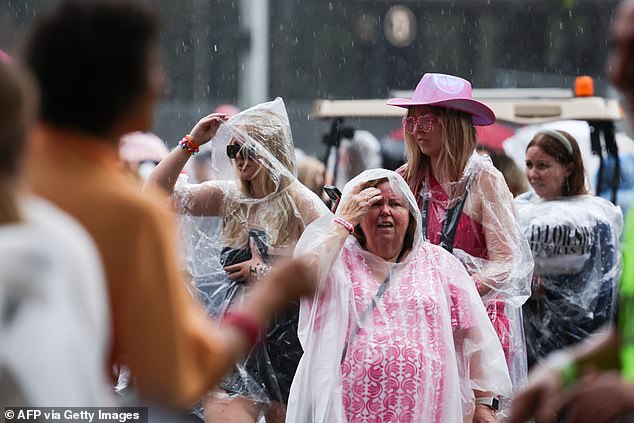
[[334, 194]]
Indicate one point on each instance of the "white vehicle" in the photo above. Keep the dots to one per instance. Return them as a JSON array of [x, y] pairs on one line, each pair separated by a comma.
[[591, 120]]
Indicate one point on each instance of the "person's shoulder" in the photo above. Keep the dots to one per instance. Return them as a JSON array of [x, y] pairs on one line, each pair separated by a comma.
[[485, 172], [50, 220], [527, 197], [488, 182], [436, 253], [134, 203], [64, 248], [603, 203]]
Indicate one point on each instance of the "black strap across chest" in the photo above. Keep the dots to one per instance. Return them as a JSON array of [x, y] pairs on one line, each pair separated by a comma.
[[452, 217]]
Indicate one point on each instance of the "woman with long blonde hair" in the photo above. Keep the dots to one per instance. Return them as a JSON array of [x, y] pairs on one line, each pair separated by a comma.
[[465, 203], [260, 211]]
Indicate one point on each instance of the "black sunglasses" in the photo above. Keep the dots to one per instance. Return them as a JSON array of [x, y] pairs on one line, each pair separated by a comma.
[[246, 152]]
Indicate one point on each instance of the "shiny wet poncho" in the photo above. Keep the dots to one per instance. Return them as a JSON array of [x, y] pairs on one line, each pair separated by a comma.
[[414, 356], [575, 244], [235, 225], [474, 218]]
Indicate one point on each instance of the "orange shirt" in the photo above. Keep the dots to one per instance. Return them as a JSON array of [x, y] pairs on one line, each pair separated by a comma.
[[159, 330]]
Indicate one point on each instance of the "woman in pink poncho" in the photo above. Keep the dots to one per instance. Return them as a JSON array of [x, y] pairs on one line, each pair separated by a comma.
[[465, 204], [397, 331]]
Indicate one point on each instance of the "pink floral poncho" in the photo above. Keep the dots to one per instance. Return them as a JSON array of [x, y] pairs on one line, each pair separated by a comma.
[[416, 355]]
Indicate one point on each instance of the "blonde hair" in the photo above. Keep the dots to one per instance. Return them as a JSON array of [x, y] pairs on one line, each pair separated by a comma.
[[269, 130], [459, 142], [309, 169]]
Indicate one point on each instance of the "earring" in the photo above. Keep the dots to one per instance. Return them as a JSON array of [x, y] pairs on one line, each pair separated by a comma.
[[568, 185]]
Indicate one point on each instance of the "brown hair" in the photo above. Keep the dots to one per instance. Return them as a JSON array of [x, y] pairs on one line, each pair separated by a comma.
[[459, 141], [575, 183], [408, 241], [18, 102]]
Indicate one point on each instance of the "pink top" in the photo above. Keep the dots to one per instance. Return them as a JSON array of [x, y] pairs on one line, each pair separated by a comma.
[[397, 366], [469, 235], [469, 238]]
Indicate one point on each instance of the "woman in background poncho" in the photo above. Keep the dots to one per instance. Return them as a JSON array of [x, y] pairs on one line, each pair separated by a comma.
[[574, 238], [465, 203], [237, 226]]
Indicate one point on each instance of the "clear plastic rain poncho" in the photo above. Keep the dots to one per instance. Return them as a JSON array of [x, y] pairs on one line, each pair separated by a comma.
[[407, 347], [575, 244], [475, 219], [244, 225]]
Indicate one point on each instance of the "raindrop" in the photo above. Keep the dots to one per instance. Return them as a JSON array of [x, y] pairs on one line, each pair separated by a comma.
[[215, 48]]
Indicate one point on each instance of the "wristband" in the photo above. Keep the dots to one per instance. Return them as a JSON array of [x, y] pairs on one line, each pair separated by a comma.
[[188, 145], [345, 224], [245, 323], [565, 366], [191, 142]]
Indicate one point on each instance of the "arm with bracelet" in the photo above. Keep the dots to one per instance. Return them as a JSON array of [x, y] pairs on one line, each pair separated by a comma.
[[166, 172], [558, 382]]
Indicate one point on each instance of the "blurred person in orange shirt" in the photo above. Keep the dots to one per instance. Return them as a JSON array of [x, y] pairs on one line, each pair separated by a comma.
[[99, 74]]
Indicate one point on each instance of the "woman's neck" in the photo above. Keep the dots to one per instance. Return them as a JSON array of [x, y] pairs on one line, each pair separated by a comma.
[[434, 168], [9, 200], [256, 191]]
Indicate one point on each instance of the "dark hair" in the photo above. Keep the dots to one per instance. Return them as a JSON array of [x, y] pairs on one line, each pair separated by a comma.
[[18, 102], [408, 241], [91, 61], [575, 183]]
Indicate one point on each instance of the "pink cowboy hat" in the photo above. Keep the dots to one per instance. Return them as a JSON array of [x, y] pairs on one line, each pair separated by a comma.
[[452, 92]]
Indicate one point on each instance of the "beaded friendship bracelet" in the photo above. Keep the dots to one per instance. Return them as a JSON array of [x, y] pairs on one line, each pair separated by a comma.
[[345, 224], [188, 145]]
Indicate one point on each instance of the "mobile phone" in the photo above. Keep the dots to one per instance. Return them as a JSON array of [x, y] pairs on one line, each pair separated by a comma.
[[332, 192]]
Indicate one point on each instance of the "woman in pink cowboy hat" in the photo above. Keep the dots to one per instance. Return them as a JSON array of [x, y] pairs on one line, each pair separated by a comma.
[[465, 204]]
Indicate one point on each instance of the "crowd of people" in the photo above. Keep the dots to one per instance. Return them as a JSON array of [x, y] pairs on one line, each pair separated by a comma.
[[237, 294]]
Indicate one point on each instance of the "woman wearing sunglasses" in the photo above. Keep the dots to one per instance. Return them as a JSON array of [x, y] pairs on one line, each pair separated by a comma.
[[465, 204], [236, 227]]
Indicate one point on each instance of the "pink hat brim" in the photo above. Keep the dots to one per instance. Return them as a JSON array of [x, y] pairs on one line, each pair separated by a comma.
[[482, 114]]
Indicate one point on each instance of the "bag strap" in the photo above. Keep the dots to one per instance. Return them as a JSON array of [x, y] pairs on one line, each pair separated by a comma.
[[368, 312], [452, 217]]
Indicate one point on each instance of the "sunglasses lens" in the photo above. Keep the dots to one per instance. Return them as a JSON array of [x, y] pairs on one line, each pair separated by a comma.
[[423, 124], [409, 124], [245, 152]]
